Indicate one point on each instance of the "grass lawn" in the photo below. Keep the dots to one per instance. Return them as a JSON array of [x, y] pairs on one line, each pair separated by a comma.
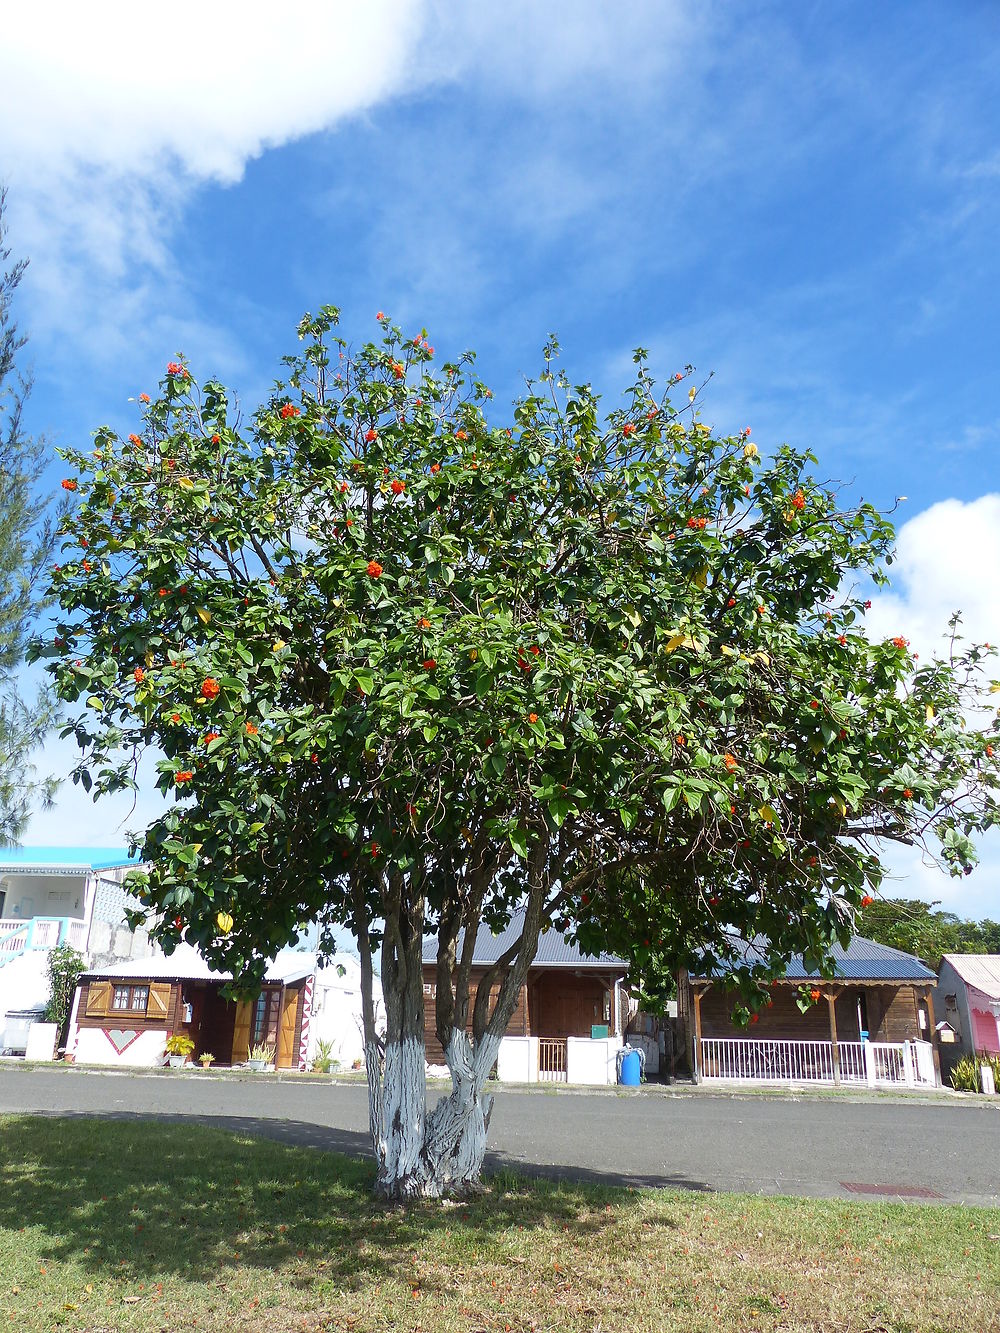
[[125, 1225]]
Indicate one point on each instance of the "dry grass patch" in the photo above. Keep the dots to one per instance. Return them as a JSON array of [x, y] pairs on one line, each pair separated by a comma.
[[139, 1226]]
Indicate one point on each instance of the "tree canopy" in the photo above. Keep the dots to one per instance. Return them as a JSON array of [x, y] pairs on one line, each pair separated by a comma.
[[923, 929], [27, 536], [412, 666]]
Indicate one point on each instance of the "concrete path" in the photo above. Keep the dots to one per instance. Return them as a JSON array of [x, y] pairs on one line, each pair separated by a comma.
[[814, 1146]]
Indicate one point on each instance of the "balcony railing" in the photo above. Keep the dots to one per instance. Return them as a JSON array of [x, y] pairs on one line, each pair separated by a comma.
[[777, 1060], [39, 932]]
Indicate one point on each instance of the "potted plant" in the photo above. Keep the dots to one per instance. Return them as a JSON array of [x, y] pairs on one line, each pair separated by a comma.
[[178, 1049], [205, 1059], [260, 1056]]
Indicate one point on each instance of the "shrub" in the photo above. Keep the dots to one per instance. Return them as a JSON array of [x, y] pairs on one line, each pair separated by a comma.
[[323, 1061], [965, 1077]]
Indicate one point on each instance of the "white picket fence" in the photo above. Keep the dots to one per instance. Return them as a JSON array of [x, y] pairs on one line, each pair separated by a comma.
[[874, 1064]]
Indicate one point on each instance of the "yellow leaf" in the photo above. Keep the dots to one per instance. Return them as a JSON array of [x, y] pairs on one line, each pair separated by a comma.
[[271, 518], [701, 578], [762, 658], [726, 651], [149, 657], [929, 712], [225, 922], [768, 814], [278, 645], [692, 392], [995, 687], [203, 615], [185, 483], [679, 641]]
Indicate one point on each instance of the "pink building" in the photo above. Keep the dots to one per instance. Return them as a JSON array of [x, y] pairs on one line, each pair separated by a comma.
[[968, 997]]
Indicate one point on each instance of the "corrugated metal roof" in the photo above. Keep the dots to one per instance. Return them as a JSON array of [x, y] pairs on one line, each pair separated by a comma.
[[981, 970], [187, 964], [66, 860], [862, 960], [554, 950]]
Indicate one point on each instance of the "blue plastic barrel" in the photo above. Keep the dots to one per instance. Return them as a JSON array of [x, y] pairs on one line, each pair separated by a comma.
[[630, 1070]]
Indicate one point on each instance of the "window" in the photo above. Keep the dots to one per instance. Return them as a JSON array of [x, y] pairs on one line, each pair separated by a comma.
[[133, 999], [259, 1024]]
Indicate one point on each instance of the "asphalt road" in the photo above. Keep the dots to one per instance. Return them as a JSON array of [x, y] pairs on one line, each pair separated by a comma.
[[756, 1144]]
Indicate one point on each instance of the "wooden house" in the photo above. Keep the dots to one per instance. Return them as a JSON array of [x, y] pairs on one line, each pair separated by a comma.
[[872, 1023], [568, 997], [123, 1014]]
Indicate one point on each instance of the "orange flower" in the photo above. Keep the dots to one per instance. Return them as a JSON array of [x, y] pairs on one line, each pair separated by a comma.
[[175, 717], [989, 752], [138, 675], [374, 569], [429, 664], [814, 994], [69, 484], [435, 467], [398, 487], [532, 717], [628, 428], [730, 762], [798, 500], [144, 398], [680, 740], [907, 793], [535, 649], [899, 642], [461, 435], [398, 369], [250, 729], [289, 410], [135, 439], [210, 688], [423, 623], [209, 737], [371, 436], [216, 439], [867, 900], [185, 775]]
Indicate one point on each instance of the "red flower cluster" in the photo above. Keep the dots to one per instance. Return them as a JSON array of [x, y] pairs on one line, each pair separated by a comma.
[[69, 484], [374, 569], [730, 762], [185, 775], [798, 500], [144, 398], [532, 717], [429, 664], [138, 675], [628, 429], [380, 315], [371, 436], [175, 368], [900, 642], [398, 369], [209, 737], [210, 688], [135, 439], [398, 487], [461, 435], [731, 602], [867, 900], [435, 467], [250, 729], [697, 523], [289, 410]]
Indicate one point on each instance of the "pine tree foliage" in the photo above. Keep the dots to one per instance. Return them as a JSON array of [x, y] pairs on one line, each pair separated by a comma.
[[27, 536]]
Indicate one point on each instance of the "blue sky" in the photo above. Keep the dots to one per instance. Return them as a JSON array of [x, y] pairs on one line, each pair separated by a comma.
[[801, 198]]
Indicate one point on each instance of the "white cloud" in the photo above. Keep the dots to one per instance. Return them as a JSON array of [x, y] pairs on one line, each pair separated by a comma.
[[947, 560]]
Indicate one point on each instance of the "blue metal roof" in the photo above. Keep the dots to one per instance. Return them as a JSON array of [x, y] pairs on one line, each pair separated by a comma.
[[862, 960], [79, 859], [554, 950]]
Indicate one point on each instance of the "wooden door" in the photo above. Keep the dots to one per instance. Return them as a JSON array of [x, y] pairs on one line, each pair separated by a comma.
[[286, 1030], [241, 1032]]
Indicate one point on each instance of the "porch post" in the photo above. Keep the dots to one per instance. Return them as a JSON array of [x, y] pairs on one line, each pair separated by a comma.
[[696, 1066], [831, 1000], [932, 1036]]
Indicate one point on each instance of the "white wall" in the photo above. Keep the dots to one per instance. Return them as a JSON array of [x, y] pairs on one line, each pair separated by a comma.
[[94, 1048], [336, 1011], [517, 1060], [592, 1062], [43, 895]]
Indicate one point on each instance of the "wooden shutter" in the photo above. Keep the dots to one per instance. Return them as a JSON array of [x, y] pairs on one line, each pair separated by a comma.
[[241, 1032], [159, 1000], [286, 1031], [98, 999]]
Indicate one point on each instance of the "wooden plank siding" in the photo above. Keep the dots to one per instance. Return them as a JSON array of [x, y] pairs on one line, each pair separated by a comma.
[[517, 1027], [127, 1019]]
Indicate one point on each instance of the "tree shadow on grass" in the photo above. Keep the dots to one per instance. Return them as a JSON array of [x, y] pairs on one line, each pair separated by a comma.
[[142, 1198]]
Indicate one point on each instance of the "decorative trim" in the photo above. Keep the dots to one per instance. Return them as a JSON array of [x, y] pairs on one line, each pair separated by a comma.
[[307, 996], [129, 1033]]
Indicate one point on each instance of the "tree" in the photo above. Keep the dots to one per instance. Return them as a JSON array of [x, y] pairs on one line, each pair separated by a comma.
[[918, 928], [65, 969], [412, 671], [27, 536]]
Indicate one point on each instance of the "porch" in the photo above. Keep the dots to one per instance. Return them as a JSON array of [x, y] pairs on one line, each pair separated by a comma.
[[39, 932], [873, 1064]]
